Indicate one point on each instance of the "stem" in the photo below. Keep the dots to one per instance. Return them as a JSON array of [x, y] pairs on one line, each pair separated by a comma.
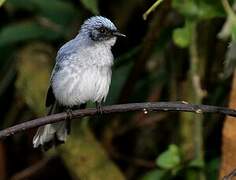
[[197, 95], [144, 107], [152, 8], [227, 8]]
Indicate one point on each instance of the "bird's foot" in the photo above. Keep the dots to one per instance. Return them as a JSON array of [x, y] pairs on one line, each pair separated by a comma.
[[99, 108], [69, 116]]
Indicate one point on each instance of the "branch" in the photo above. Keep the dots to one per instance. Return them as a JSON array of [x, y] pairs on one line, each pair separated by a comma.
[[230, 175], [152, 8], [145, 107]]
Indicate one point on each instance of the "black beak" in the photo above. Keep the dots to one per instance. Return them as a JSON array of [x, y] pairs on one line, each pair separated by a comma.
[[118, 34]]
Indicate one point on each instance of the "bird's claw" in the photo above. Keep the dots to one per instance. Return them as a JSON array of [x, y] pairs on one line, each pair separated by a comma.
[[69, 114], [99, 108]]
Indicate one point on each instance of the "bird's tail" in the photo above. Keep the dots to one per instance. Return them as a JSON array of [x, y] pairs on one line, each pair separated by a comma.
[[51, 134]]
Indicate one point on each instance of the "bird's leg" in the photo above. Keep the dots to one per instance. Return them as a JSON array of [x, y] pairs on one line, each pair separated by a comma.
[[99, 108], [69, 115]]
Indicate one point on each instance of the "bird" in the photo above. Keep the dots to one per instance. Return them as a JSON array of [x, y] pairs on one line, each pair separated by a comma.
[[82, 73]]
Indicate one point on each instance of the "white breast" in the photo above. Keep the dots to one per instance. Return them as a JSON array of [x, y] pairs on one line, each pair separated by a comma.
[[84, 78]]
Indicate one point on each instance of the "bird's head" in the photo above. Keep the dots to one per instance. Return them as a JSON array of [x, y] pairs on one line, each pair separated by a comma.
[[100, 29]]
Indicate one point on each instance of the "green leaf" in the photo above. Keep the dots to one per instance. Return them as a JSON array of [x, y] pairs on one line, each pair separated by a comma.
[[91, 5], [1, 2], [196, 10], [169, 159], [212, 169], [209, 10], [15, 33], [154, 175], [21, 5], [186, 7], [197, 163], [182, 36], [58, 11]]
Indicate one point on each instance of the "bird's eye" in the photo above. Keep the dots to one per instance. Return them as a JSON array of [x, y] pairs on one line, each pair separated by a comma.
[[102, 30]]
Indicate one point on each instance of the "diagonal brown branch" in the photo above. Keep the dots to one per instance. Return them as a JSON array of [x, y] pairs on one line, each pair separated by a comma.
[[230, 175], [145, 107]]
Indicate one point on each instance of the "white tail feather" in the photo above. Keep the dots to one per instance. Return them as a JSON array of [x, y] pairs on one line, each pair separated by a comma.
[[48, 132]]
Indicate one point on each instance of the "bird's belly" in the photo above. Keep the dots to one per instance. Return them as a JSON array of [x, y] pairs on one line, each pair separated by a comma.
[[91, 84]]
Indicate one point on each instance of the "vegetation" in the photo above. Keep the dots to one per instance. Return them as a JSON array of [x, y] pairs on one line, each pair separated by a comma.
[[184, 50]]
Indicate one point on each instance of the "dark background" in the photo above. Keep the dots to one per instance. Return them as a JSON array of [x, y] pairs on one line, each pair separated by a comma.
[[180, 53]]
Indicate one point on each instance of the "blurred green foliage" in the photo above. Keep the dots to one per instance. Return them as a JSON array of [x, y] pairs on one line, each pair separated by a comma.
[[155, 175], [176, 53], [1, 2], [34, 94], [25, 31], [169, 159], [91, 5], [182, 36]]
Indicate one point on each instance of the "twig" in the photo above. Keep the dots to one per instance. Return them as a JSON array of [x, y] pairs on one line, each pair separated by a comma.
[[152, 8], [145, 107], [228, 8], [230, 175]]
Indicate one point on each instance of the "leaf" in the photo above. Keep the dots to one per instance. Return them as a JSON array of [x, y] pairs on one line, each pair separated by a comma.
[[186, 7], [197, 163], [58, 11], [21, 5], [169, 159], [91, 5], [196, 10], [154, 175], [182, 36], [19, 32], [1, 2], [212, 168]]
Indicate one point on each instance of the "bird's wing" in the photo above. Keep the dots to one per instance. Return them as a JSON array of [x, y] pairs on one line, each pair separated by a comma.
[[50, 98], [61, 60]]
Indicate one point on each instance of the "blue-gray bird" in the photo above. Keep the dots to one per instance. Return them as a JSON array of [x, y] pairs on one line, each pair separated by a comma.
[[82, 73]]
